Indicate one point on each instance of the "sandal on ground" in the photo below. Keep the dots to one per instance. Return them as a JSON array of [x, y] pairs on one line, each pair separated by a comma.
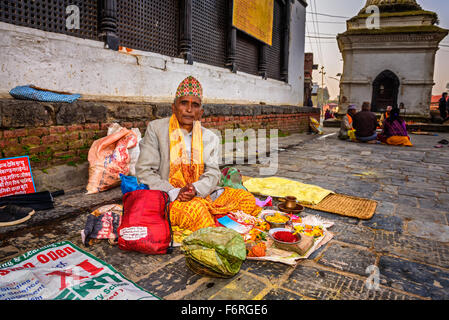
[[11, 215]]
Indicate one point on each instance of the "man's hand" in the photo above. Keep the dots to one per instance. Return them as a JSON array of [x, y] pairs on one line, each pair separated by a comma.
[[187, 193]]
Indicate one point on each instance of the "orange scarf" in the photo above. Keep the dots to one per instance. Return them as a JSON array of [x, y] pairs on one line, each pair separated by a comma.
[[182, 169], [350, 119]]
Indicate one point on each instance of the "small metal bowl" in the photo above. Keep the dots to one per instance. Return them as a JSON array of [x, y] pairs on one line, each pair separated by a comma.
[[273, 231], [274, 225]]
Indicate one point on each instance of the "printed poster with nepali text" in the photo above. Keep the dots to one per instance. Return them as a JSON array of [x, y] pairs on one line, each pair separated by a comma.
[[254, 17], [15, 176], [62, 271]]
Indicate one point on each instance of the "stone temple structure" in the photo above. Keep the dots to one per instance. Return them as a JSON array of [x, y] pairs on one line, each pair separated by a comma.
[[391, 62]]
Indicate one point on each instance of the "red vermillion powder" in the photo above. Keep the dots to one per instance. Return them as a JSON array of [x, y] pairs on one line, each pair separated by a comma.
[[285, 236]]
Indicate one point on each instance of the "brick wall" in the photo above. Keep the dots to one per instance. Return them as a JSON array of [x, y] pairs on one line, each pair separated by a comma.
[[57, 133]]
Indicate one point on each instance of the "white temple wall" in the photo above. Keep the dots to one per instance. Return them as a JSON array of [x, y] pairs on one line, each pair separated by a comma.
[[64, 63]]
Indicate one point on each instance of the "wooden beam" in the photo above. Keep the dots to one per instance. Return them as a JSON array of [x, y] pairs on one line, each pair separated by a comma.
[[185, 32], [231, 43], [263, 60], [285, 40], [108, 23]]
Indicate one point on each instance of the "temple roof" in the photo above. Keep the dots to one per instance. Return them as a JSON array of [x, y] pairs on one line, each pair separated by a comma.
[[393, 5]]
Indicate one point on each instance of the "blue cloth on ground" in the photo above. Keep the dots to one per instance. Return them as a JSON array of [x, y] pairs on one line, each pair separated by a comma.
[[28, 93], [129, 184]]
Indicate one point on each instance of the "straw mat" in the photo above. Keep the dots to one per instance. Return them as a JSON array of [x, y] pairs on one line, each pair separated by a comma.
[[346, 206]]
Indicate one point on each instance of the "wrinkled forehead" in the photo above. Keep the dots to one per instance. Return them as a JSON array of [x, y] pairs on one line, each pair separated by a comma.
[[192, 99]]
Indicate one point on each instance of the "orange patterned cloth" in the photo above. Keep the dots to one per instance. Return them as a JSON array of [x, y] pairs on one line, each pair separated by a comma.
[[198, 213]]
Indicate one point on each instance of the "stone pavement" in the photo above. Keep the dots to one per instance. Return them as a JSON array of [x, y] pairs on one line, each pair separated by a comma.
[[407, 239]]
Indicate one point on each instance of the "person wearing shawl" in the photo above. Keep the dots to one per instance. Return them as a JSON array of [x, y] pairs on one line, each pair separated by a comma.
[[394, 130], [180, 157], [385, 116], [346, 123]]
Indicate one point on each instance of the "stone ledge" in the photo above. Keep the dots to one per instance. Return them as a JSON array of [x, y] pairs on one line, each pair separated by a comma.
[[24, 113], [71, 204]]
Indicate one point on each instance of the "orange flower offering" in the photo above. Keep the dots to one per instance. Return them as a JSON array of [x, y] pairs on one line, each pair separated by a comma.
[[258, 249], [311, 231], [277, 218]]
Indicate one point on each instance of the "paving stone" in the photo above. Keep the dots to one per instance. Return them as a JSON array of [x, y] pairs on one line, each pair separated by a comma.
[[407, 200], [383, 196], [281, 294], [397, 181], [435, 187], [241, 287], [172, 278], [418, 193], [207, 288], [384, 222], [421, 214], [419, 279], [7, 253], [268, 270], [433, 204], [429, 230], [386, 208], [443, 197], [326, 285], [413, 248], [416, 179], [318, 252], [353, 234], [347, 259], [390, 189]]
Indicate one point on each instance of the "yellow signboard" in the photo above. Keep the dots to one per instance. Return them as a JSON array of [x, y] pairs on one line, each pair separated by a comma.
[[255, 17]]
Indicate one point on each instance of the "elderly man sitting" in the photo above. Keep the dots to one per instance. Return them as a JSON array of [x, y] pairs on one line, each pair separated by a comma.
[[180, 157]]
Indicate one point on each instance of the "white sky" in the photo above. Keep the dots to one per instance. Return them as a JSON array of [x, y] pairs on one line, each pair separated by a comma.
[[327, 49]]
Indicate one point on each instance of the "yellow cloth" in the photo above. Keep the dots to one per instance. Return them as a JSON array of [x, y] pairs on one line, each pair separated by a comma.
[[182, 169], [399, 141], [198, 213], [351, 135], [280, 188]]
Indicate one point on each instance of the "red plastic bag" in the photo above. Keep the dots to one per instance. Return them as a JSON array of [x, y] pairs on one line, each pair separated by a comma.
[[145, 223]]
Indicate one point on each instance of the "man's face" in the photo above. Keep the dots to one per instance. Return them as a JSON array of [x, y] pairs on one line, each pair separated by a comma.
[[352, 112], [187, 110]]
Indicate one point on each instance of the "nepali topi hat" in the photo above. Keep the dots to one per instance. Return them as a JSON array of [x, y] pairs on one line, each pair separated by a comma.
[[190, 86]]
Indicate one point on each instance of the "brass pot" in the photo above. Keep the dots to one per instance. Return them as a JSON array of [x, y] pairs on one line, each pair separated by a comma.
[[290, 202]]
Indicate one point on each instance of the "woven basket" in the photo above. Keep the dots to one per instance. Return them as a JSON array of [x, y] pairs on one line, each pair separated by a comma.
[[202, 270], [346, 206]]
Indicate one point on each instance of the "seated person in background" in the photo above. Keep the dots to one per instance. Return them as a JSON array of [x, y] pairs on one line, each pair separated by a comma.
[[442, 106], [346, 123], [365, 124], [180, 157], [395, 130], [385, 116]]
